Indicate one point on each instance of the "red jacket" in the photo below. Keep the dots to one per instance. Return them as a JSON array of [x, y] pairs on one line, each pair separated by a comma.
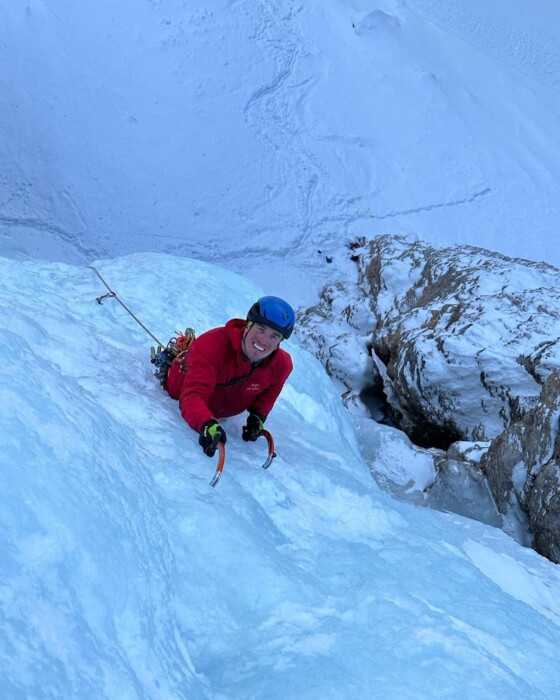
[[216, 380]]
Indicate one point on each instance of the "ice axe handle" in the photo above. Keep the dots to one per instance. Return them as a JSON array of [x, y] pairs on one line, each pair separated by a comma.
[[271, 449], [220, 465]]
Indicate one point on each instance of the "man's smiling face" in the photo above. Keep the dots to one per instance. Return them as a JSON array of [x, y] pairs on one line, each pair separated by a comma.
[[260, 341]]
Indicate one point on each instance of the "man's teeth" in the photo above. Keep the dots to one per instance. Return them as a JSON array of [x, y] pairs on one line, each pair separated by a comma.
[[258, 347]]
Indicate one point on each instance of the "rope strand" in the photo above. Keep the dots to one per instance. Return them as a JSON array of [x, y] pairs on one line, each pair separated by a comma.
[[113, 294]]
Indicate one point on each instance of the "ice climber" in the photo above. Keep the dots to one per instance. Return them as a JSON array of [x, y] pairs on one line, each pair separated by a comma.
[[234, 368]]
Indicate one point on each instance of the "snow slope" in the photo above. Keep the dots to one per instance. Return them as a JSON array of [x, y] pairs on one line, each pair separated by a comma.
[[269, 131], [124, 575]]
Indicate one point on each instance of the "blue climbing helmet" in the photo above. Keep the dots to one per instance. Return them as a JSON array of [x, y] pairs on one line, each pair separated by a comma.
[[273, 312]]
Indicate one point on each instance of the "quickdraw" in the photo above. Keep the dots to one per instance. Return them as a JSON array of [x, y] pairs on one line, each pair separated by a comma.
[[175, 350], [111, 294]]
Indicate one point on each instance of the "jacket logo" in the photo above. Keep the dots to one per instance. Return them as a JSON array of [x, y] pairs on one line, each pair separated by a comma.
[[253, 387]]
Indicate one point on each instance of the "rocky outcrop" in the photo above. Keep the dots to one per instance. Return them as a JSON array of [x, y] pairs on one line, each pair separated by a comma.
[[337, 330], [462, 337], [523, 470], [467, 336], [465, 344]]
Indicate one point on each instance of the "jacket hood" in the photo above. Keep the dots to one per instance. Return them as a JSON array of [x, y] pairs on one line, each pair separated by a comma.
[[235, 328]]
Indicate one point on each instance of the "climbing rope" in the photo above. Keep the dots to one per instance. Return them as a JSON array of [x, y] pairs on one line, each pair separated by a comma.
[[113, 295]]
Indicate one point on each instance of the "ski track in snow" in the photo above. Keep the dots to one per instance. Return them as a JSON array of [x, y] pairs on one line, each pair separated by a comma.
[[73, 240], [273, 112]]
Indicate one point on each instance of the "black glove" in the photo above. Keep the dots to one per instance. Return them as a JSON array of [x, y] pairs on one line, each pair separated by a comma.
[[253, 428], [210, 435]]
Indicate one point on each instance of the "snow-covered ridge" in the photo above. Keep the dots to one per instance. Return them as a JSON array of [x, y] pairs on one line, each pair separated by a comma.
[[463, 336], [124, 575], [468, 336], [466, 344]]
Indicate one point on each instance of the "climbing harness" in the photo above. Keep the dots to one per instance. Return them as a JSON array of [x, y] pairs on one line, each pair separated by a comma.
[[175, 350]]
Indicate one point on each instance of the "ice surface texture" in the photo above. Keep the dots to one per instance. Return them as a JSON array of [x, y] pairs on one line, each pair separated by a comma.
[[124, 575]]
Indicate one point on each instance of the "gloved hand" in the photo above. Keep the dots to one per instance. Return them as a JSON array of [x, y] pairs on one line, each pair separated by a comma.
[[210, 435], [253, 428]]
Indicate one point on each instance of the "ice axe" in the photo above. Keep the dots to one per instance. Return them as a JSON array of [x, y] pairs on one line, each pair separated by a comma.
[[222, 456]]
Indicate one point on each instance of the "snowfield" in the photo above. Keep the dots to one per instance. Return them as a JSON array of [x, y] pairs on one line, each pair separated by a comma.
[[125, 575], [270, 131]]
